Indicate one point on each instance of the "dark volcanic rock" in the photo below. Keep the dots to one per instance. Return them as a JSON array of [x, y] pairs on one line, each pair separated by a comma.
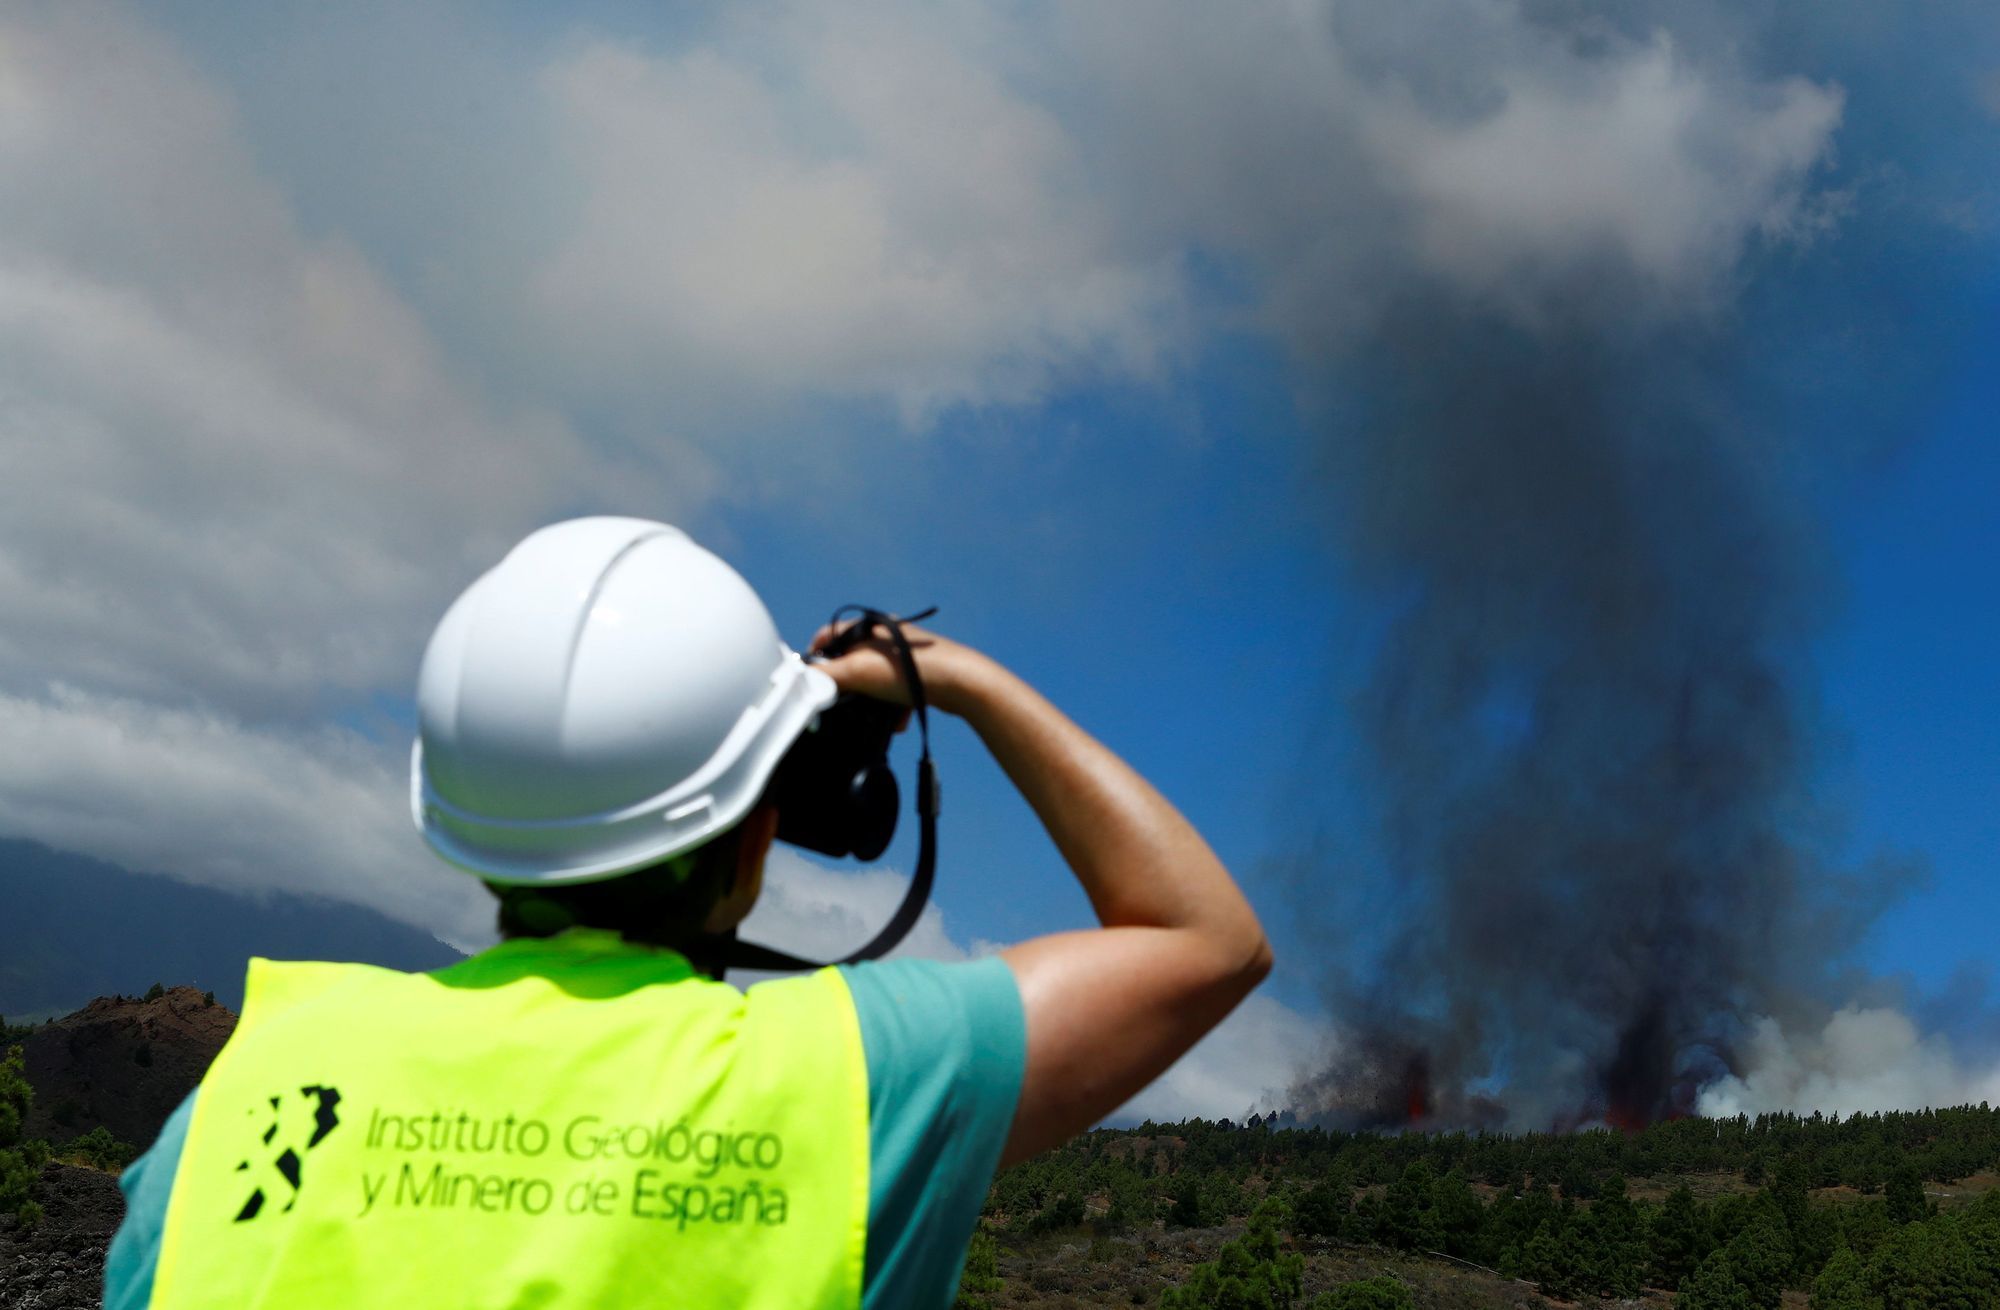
[[59, 1263], [122, 1063]]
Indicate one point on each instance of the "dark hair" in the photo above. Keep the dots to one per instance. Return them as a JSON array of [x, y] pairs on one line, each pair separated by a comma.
[[662, 904]]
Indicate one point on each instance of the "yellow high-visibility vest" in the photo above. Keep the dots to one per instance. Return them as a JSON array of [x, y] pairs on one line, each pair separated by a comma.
[[571, 1121]]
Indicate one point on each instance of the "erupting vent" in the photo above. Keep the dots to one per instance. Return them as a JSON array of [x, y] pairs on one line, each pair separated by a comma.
[[1580, 731]]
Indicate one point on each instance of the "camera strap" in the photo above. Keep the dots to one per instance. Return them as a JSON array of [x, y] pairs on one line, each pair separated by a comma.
[[737, 954]]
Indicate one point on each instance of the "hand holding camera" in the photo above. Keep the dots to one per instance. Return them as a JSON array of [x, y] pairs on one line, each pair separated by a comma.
[[834, 790], [868, 666]]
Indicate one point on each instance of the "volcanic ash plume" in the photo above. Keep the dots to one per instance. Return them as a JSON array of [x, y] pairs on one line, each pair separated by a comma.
[[1582, 726], [1548, 277], [1864, 1058]]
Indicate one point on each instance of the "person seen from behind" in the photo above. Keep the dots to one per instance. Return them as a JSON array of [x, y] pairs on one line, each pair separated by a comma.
[[586, 1114]]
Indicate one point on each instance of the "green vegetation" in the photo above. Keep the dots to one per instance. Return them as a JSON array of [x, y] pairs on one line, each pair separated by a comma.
[[100, 1150], [1367, 1294], [1254, 1272], [981, 1278], [1950, 1259], [1725, 1212], [20, 1161]]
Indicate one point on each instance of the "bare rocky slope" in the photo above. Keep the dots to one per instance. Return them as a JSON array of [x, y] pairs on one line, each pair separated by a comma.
[[122, 1063], [59, 1263]]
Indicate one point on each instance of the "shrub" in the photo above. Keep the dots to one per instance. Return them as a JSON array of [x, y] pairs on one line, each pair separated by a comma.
[[100, 1150], [1905, 1194], [1379, 1293], [20, 1161], [1320, 1210], [1253, 1272], [1064, 1210], [982, 1273]]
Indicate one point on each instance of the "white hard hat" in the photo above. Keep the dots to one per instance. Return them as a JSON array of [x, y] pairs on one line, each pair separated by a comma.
[[608, 695]]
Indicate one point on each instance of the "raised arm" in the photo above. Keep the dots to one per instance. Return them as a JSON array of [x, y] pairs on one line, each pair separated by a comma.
[[1107, 1010]]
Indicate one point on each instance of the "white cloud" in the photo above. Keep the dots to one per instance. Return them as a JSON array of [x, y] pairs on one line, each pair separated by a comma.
[[931, 204], [858, 206], [241, 482], [1245, 1066], [221, 805], [1516, 159], [934, 205], [1637, 162], [240, 473], [823, 914], [245, 470], [325, 812], [1864, 1059]]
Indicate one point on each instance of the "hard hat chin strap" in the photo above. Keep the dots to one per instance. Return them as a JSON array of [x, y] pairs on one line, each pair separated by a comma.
[[736, 954]]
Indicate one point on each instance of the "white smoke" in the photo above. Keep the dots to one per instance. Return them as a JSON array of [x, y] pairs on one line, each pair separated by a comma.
[[1865, 1058]]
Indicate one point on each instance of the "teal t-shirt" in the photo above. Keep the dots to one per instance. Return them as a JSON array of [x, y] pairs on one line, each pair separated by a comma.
[[945, 1045]]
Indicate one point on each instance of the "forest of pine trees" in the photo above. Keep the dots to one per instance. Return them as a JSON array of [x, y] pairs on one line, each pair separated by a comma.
[[1834, 1207]]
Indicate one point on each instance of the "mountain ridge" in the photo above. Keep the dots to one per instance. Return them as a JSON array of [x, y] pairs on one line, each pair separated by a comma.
[[75, 927], [122, 1063]]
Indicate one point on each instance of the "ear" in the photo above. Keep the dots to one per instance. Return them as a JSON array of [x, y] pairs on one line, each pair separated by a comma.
[[760, 829], [753, 843]]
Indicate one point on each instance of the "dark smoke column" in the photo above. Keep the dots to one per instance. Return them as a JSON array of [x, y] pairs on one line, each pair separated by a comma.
[[1580, 727]]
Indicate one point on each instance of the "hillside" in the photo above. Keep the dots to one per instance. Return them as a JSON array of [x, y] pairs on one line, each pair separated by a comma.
[[1706, 1214], [1862, 1213], [121, 1063], [58, 1264], [76, 927]]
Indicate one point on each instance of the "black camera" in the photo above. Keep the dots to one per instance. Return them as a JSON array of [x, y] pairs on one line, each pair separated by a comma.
[[835, 794], [834, 791]]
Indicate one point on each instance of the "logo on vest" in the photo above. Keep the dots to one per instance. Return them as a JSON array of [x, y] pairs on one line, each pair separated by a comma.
[[289, 1162]]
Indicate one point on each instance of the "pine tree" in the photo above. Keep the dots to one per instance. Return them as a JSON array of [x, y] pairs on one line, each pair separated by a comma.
[[1761, 1256], [1747, 1274], [1905, 1194], [1364, 1220], [1617, 1251], [1409, 1211], [1979, 1225], [1840, 1286], [1714, 1286], [1926, 1265], [1253, 1272], [20, 1162], [1321, 1210], [1674, 1242], [1542, 1261], [982, 1274], [1461, 1218], [1186, 1209]]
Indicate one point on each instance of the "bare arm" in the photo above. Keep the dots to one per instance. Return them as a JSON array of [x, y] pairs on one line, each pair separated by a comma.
[[1107, 1010]]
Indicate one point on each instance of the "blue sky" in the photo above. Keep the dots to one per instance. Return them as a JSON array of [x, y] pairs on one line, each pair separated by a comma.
[[1196, 623], [1909, 676], [1059, 319], [1162, 579]]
